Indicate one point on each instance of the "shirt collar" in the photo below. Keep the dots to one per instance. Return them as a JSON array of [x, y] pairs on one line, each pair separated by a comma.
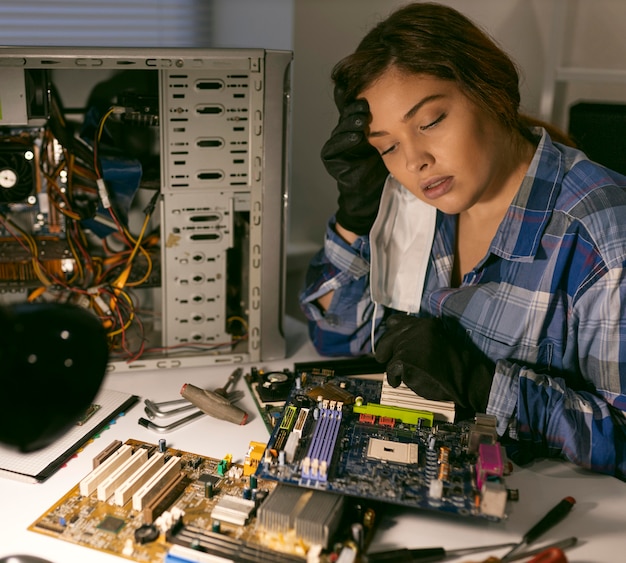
[[520, 232]]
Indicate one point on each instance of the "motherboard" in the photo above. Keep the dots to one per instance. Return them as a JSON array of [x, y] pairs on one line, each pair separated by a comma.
[[338, 433], [151, 503]]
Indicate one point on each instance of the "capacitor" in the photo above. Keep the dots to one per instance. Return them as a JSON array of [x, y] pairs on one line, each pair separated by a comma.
[[216, 527], [259, 496], [208, 489], [253, 482], [162, 445], [358, 535]]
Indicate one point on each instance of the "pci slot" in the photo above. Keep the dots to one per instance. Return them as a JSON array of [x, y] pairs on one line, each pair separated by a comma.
[[138, 479], [123, 472], [153, 487], [165, 498], [90, 483]]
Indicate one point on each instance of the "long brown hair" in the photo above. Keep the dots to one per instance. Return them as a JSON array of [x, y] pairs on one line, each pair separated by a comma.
[[432, 39]]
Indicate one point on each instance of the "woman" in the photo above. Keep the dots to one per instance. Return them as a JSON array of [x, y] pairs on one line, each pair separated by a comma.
[[505, 246]]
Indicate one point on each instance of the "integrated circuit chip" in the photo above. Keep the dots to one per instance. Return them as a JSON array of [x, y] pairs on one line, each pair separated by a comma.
[[111, 524]]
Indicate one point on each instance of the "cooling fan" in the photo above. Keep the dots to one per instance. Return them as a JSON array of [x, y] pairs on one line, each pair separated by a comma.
[[17, 173]]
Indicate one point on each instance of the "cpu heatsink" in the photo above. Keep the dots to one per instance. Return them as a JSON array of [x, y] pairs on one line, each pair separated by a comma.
[[313, 515]]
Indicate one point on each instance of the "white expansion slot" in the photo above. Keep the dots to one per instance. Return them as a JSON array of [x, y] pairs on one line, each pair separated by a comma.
[[138, 479], [90, 483], [128, 468], [144, 495]]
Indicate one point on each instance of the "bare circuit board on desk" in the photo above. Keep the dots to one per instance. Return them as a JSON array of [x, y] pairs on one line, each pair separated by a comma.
[[336, 434], [151, 503]]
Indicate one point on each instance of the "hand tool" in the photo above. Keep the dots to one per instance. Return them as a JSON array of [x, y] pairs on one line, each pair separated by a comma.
[[161, 409], [216, 403], [155, 410], [426, 554], [213, 404], [162, 429], [430, 554], [551, 553], [553, 517]]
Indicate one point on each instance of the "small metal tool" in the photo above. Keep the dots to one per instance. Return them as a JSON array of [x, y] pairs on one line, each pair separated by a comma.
[[164, 409], [162, 429], [155, 410]]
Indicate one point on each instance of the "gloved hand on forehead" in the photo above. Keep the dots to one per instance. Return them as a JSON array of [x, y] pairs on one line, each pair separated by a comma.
[[355, 164], [431, 361]]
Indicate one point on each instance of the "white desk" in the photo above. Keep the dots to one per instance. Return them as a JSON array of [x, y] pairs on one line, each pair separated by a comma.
[[598, 519]]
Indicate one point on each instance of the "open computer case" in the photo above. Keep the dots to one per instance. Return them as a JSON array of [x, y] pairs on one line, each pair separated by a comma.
[[149, 186]]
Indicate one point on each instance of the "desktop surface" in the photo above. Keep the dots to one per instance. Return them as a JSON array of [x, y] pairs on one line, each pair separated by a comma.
[[598, 519]]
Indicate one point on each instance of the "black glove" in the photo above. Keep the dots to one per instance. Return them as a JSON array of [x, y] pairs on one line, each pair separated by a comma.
[[356, 165], [433, 363]]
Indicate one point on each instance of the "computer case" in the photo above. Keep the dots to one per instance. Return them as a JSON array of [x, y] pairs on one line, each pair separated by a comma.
[[149, 186]]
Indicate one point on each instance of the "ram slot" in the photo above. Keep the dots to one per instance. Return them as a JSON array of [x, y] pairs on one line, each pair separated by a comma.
[[138, 479], [328, 447], [315, 465], [90, 483], [107, 487], [222, 548], [152, 488]]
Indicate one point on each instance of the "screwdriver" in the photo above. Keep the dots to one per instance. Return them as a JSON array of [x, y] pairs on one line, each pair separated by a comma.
[[553, 517], [427, 554]]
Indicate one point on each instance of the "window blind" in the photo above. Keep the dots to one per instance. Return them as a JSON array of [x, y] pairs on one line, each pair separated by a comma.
[[106, 23]]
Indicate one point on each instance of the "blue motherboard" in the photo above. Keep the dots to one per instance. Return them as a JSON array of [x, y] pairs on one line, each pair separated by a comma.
[[335, 435]]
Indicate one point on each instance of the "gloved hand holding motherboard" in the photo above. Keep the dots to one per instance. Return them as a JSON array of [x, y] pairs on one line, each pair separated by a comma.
[[434, 363]]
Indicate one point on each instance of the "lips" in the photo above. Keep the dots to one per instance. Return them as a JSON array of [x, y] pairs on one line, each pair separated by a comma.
[[437, 186]]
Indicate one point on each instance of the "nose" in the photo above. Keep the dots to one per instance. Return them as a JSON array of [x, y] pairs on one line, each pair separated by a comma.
[[418, 157]]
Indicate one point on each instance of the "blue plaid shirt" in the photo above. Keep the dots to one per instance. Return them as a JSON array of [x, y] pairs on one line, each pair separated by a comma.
[[548, 305]]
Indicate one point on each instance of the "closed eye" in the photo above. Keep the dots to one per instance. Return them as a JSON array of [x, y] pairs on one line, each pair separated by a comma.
[[434, 123]]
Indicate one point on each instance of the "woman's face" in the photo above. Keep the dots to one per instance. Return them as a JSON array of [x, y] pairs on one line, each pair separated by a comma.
[[436, 142]]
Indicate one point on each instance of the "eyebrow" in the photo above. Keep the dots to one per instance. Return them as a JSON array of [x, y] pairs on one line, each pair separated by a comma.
[[409, 114]]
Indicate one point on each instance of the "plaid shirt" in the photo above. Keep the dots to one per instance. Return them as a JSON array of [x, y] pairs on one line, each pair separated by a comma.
[[547, 304]]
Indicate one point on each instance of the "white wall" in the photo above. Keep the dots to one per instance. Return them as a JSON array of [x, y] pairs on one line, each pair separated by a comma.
[[266, 24]]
